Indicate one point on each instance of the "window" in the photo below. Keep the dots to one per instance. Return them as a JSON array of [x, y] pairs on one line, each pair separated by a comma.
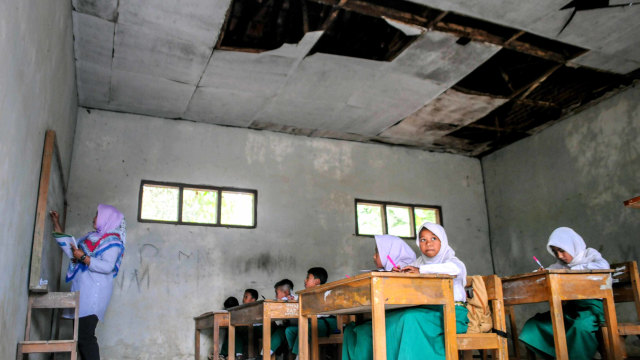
[[379, 217], [185, 204]]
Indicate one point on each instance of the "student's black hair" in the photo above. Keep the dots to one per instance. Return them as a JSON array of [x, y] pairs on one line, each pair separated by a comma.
[[230, 302], [284, 282], [319, 273], [253, 292]]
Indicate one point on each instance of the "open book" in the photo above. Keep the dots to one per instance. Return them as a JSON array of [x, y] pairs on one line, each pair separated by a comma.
[[65, 242]]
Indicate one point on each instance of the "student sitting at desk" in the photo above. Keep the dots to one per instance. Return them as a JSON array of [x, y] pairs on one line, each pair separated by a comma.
[[390, 251], [326, 324], [230, 302], [250, 295], [418, 332], [581, 317], [284, 289]]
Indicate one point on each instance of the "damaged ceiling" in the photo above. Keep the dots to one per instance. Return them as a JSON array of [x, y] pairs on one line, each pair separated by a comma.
[[458, 76]]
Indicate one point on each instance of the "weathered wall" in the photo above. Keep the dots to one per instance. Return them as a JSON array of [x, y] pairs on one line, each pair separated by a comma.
[[37, 92], [306, 190], [576, 173]]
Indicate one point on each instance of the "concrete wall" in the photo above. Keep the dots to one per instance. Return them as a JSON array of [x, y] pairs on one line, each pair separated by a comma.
[[306, 190], [37, 92], [576, 173]]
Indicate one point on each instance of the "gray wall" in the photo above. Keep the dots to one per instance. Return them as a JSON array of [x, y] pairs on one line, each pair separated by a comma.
[[306, 190], [576, 173], [37, 92]]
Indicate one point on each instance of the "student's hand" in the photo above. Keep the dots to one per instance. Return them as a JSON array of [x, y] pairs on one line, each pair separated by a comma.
[[396, 269], [411, 269]]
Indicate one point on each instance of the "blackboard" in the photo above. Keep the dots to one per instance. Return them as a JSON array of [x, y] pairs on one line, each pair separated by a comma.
[[46, 256]]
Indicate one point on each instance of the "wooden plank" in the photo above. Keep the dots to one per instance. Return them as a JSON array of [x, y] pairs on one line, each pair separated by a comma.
[[629, 329], [557, 320], [611, 320], [414, 291], [282, 310], [41, 212], [315, 349], [59, 300], [450, 341], [477, 341], [231, 337], [204, 323], [633, 202], [514, 331], [582, 286], [525, 290], [303, 336], [378, 321]]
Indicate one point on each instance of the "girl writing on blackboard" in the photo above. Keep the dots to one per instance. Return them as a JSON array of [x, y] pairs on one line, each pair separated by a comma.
[[95, 261]]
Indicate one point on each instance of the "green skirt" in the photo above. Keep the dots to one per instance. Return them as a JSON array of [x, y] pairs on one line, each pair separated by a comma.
[[413, 333], [582, 319]]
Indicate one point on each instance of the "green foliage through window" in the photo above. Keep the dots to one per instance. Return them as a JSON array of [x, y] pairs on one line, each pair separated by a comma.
[[160, 202], [376, 218]]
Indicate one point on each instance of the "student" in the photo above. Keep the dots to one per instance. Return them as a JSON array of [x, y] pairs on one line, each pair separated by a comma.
[[326, 324], [389, 246], [230, 302], [284, 288], [418, 332], [581, 317], [250, 295]]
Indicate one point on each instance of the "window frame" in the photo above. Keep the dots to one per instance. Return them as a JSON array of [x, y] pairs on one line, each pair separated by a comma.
[[182, 186], [384, 204]]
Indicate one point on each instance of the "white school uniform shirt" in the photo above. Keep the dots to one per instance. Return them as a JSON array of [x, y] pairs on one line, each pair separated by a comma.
[[445, 262], [95, 284], [583, 258]]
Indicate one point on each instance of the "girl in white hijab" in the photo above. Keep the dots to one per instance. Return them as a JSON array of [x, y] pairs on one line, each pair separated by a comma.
[[417, 332], [572, 253], [581, 317], [439, 258], [389, 246]]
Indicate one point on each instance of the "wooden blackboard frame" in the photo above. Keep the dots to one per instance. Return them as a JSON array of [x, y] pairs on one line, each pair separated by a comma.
[[39, 236]]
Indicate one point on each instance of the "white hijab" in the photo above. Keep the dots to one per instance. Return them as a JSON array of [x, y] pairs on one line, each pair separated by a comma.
[[445, 255], [396, 249], [583, 258]]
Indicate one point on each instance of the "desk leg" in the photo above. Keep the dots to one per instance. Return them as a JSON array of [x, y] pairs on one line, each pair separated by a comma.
[[612, 325], [216, 336], [252, 350], [303, 337], [232, 341], [378, 320], [559, 334], [315, 347], [450, 341], [197, 340], [266, 336]]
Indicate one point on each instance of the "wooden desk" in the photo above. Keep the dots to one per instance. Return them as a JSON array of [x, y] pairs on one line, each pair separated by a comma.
[[263, 311], [211, 320], [555, 286], [376, 292]]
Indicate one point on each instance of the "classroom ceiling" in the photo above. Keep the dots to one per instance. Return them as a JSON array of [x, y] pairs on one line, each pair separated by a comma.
[[458, 76]]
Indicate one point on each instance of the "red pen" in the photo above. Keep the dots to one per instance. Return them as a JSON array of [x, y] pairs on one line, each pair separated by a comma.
[[536, 259]]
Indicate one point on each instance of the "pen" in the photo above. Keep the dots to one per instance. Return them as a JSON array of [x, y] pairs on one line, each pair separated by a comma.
[[536, 259], [392, 263]]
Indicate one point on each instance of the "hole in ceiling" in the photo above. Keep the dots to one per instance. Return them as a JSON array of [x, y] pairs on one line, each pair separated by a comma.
[[360, 36], [473, 28], [504, 74], [261, 25], [463, 41]]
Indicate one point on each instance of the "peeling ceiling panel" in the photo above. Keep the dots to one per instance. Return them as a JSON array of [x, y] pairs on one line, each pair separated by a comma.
[[329, 79], [93, 40], [339, 135], [246, 72], [448, 112], [105, 9], [598, 60], [312, 114], [193, 21], [436, 56], [144, 51], [142, 94], [93, 83], [259, 125], [224, 107]]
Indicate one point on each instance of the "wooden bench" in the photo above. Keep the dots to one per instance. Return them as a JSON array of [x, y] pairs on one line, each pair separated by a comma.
[[52, 300], [626, 288], [488, 341], [211, 320]]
